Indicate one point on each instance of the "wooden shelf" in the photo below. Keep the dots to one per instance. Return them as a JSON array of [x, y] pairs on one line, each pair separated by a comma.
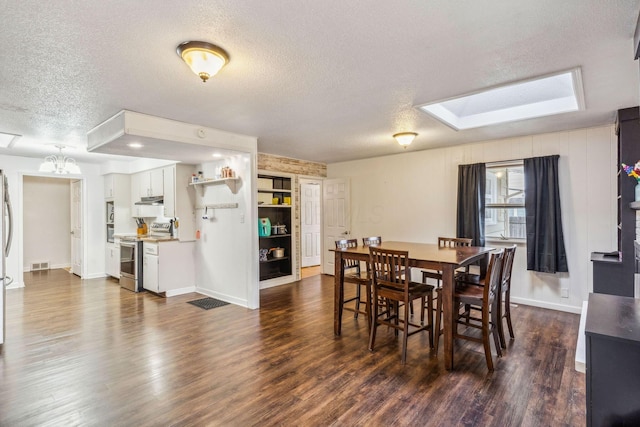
[[232, 183], [273, 190], [274, 259], [274, 206]]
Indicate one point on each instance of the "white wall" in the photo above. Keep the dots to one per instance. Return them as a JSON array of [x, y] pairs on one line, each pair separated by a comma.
[[94, 238], [225, 247], [412, 196], [46, 221]]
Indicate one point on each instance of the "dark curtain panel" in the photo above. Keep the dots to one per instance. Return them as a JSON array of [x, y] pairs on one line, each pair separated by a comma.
[[545, 242], [472, 183]]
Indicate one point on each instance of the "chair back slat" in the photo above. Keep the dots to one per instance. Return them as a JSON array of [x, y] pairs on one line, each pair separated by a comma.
[[388, 267], [371, 241], [344, 244], [494, 276], [453, 242], [509, 255]]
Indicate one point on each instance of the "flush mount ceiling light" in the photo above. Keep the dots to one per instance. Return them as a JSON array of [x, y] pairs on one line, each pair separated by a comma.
[[405, 138], [59, 164], [204, 59], [538, 97]]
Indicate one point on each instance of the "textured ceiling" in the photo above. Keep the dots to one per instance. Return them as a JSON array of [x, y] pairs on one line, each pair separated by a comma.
[[318, 80]]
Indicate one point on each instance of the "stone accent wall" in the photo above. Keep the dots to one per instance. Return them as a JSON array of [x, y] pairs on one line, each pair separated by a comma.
[[271, 163]]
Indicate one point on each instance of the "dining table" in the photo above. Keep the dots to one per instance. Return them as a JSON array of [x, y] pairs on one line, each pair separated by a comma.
[[429, 256]]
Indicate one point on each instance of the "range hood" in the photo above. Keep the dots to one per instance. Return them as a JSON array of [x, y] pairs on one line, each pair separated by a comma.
[[152, 201], [161, 138]]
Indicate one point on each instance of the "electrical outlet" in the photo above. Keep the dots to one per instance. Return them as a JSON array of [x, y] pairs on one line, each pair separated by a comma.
[[564, 292]]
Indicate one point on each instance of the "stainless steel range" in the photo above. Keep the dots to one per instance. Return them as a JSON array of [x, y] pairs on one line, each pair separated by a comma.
[[131, 263]]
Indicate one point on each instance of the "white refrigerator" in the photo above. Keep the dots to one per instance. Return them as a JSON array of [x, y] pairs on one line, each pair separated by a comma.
[[6, 233]]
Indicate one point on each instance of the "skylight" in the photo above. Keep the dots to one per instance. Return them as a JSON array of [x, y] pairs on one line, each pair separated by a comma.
[[7, 139], [544, 96]]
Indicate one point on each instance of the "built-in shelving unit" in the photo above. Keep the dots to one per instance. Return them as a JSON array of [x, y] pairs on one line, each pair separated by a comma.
[[274, 202], [616, 277]]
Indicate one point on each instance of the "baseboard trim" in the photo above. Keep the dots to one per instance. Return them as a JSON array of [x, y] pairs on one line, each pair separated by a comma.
[[180, 291], [549, 305]]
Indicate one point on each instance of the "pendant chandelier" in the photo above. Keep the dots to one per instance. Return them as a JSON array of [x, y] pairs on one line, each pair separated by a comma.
[[59, 164]]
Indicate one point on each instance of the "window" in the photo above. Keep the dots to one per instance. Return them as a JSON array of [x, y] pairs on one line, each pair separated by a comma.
[[504, 201]]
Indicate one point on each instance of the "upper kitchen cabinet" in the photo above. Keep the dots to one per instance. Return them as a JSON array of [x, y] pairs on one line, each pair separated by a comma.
[[179, 199], [151, 183]]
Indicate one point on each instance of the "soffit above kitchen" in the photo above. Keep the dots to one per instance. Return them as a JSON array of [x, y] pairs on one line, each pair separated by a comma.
[[322, 81]]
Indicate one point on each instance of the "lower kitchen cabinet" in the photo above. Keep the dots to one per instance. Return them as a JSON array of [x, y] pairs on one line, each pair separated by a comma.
[[613, 355], [168, 267], [112, 266]]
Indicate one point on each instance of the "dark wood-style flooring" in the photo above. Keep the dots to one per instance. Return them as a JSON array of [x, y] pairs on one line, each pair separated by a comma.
[[90, 353]]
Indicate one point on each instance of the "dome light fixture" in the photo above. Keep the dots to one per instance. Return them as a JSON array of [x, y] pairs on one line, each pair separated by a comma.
[[405, 138], [204, 59]]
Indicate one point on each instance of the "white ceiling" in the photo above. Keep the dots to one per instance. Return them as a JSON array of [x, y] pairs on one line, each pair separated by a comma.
[[318, 80]]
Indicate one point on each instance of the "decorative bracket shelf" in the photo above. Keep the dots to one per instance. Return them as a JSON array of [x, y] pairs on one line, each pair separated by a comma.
[[232, 183]]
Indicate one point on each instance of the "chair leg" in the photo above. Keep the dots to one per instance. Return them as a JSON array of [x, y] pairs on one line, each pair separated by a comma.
[[368, 305], [495, 330], [396, 309], [422, 312], [374, 323], [355, 314], [438, 321], [405, 333], [485, 340], [430, 317]]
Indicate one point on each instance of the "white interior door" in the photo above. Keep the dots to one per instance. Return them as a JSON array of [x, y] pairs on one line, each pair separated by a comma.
[[310, 222], [337, 217], [76, 227]]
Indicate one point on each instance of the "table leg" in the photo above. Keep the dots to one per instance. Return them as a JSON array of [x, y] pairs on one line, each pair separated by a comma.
[[448, 313], [338, 292]]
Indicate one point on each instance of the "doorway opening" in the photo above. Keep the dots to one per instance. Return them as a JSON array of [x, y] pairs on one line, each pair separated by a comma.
[[310, 227], [51, 218]]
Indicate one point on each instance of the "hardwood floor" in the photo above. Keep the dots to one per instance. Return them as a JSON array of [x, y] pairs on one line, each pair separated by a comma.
[[90, 353]]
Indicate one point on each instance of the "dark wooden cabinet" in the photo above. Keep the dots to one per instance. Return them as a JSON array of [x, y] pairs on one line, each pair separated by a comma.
[[613, 360], [615, 276]]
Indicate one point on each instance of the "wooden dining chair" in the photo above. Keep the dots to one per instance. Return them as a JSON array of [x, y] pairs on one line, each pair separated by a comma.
[[504, 304], [505, 295], [443, 242], [485, 299], [353, 273], [397, 288]]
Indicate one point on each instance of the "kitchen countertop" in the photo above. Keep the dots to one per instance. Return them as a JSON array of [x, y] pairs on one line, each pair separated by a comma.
[[145, 237]]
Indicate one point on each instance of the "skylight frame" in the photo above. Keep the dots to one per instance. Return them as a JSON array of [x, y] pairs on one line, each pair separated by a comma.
[[7, 140], [545, 108]]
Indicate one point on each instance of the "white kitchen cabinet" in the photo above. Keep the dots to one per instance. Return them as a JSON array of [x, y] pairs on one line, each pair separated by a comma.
[[151, 183], [150, 267], [168, 266], [109, 186], [179, 199], [112, 267]]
